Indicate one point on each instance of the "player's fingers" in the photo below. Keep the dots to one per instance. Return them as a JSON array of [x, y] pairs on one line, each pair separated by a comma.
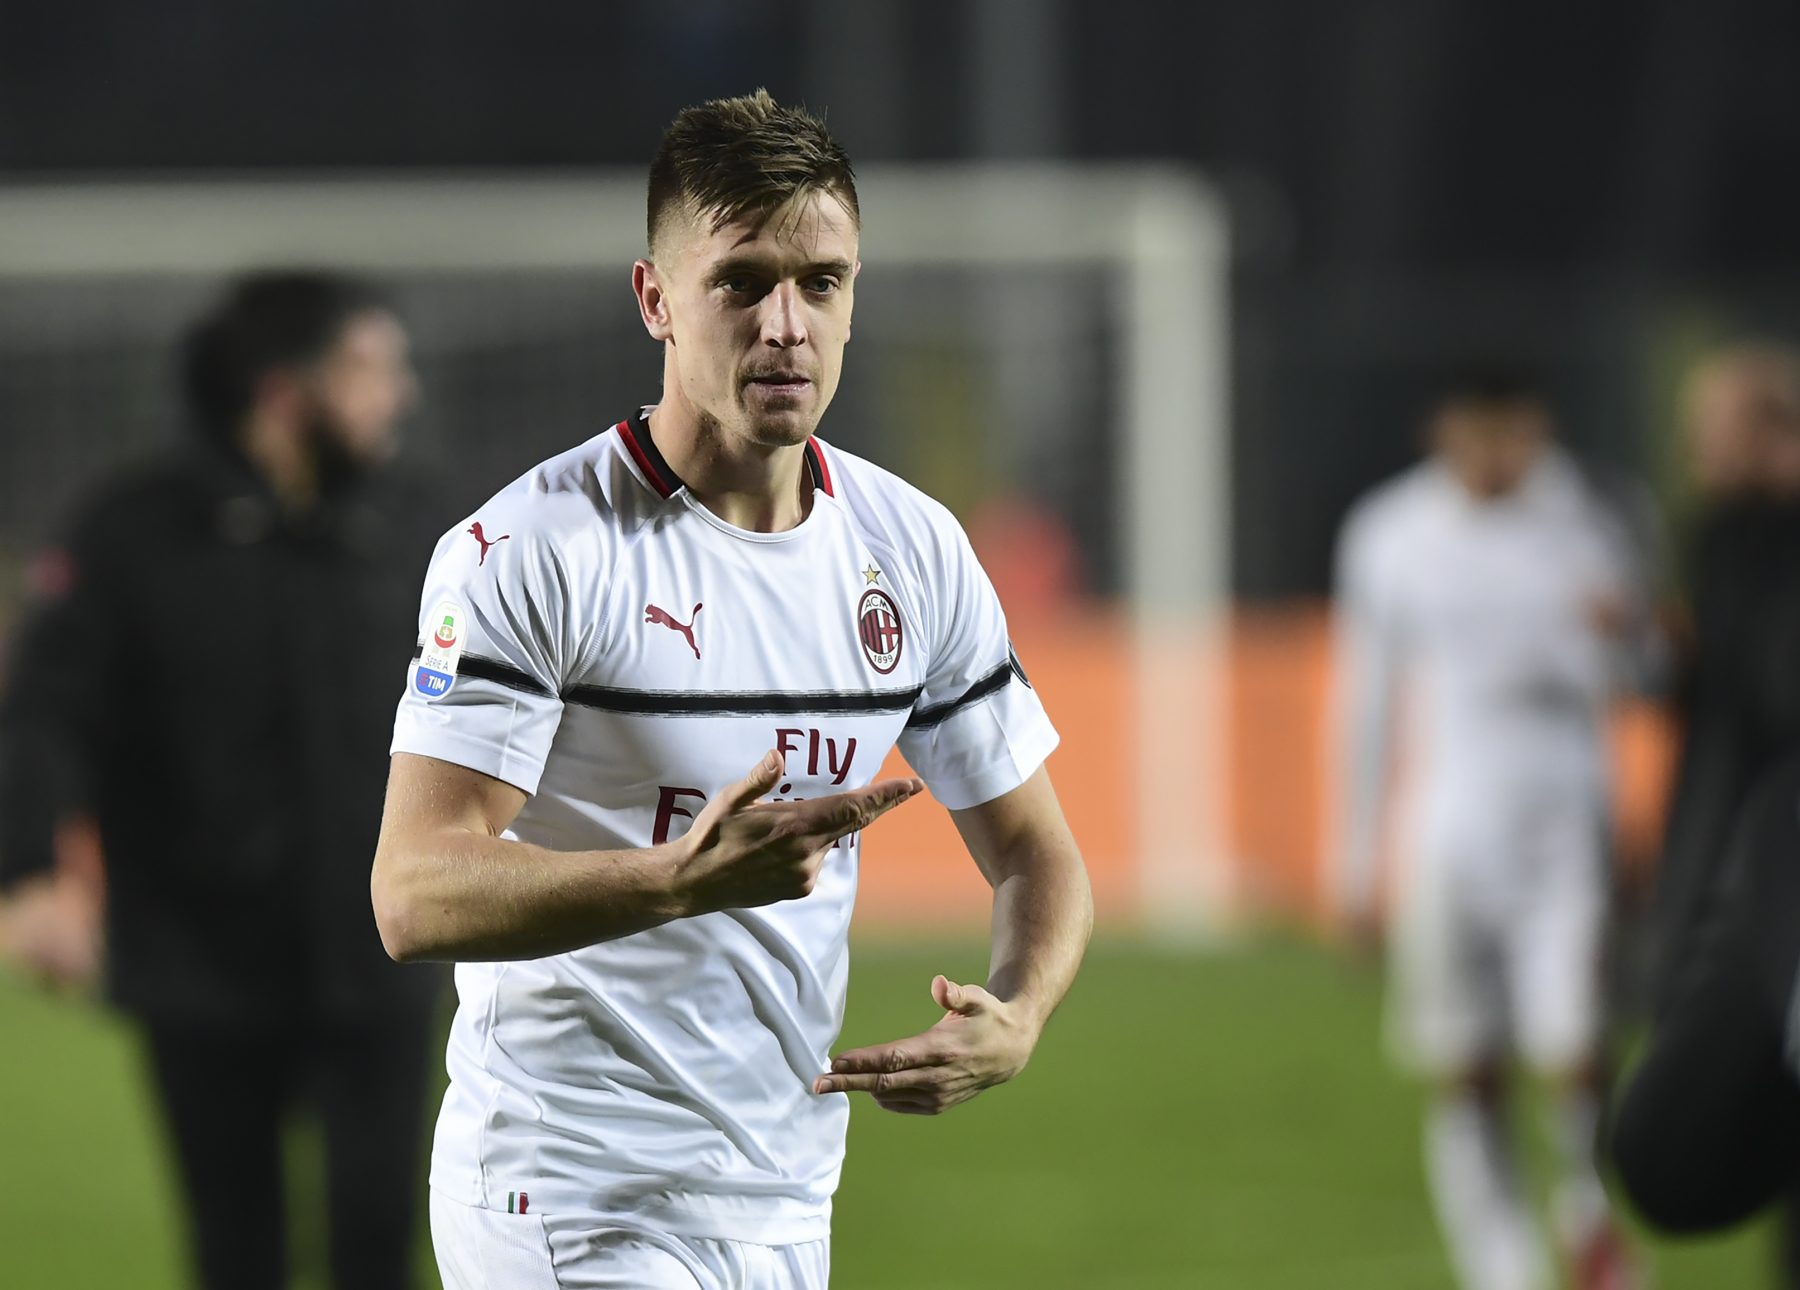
[[761, 779], [833, 817], [922, 1079], [907, 1054], [892, 793], [929, 1101], [968, 1000], [883, 793], [856, 809]]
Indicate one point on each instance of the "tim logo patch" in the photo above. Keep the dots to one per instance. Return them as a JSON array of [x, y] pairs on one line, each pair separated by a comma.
[[878, 628], [436, 671]]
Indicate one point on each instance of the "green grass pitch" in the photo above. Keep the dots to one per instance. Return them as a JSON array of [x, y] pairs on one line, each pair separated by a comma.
[[1192, 1120]]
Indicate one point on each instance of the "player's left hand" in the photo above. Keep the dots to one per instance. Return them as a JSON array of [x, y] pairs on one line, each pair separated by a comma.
[[1608, 615], [982, 1041], [50, 930]]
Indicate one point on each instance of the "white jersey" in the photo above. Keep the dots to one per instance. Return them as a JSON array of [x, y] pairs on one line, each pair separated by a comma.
[[1481, 615], [598, 638]]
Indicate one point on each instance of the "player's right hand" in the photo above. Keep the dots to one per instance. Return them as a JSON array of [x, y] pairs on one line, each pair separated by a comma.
[[743, 852]]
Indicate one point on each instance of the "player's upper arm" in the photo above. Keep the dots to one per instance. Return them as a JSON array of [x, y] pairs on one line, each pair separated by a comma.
[[426, 795], [429, 802], [1018, 828]]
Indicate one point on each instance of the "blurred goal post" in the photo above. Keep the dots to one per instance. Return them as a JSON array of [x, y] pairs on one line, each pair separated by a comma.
[[1158, 236]]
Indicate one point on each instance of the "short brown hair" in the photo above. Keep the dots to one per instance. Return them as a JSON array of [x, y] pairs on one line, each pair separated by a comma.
[[729, 159]]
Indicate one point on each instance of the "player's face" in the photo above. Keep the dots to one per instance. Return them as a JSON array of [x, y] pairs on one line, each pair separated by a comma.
[[756, 316], [362, 386], [1490, 448], [1722, 430], [1743, 429]]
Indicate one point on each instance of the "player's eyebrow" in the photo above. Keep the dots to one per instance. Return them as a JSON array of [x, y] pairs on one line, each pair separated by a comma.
[[755, 265]]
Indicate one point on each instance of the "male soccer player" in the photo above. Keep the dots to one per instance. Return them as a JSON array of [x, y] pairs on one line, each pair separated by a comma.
[[635, 757], [1494, 588]]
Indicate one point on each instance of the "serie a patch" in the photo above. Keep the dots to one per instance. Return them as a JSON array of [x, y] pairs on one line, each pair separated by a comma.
[[443, 647]]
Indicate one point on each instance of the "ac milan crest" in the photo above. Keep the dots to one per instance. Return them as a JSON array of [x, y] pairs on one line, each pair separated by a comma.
[[878, 628]]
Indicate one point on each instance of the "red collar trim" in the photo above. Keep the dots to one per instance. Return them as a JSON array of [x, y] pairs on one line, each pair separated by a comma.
[[658, 474], [649, 461], [821, 473]]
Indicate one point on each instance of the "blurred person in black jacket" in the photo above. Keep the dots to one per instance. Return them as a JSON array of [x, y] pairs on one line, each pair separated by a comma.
[[1740, 692], [198, 708], [1707, 1131], [1739, 698]]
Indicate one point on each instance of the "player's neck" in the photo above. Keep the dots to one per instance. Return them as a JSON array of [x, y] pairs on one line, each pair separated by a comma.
[[748, 485]]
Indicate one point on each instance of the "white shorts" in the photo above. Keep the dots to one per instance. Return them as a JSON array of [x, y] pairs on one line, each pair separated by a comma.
[[1481, 970], [485, 1249]]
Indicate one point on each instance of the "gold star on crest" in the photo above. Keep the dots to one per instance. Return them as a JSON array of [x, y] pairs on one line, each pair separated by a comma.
[[870, 575]]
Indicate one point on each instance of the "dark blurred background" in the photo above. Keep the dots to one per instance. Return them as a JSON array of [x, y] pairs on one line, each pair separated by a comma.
[[1598, 189]]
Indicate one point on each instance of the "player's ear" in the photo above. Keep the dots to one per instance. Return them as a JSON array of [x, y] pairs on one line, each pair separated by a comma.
[[653, 301]]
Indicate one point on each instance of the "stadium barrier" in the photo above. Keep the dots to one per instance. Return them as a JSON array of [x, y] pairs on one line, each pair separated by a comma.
[[1277, 684]]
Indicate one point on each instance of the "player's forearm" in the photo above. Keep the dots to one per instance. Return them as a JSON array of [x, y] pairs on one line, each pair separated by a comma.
[[462, 896], [1043, 916]]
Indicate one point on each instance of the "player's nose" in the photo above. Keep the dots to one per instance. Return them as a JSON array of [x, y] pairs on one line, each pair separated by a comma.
[[784, 320]]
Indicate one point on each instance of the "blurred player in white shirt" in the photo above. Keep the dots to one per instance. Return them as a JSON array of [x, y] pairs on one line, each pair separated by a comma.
[[1490, 601], [656, 679]]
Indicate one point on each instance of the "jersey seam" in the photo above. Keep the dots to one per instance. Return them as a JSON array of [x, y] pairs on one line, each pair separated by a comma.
[[629, 542], [499, 1085]]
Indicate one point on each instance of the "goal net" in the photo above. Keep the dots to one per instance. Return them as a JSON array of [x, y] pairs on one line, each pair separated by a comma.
[[1044, 348]]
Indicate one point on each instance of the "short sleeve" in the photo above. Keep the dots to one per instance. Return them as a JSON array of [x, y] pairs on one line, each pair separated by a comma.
[[978, 729], [1366, 666], [495, 642], [1359, 586]]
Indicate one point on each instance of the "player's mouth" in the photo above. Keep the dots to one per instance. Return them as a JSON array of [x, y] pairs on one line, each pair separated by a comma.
[[779, 385]]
